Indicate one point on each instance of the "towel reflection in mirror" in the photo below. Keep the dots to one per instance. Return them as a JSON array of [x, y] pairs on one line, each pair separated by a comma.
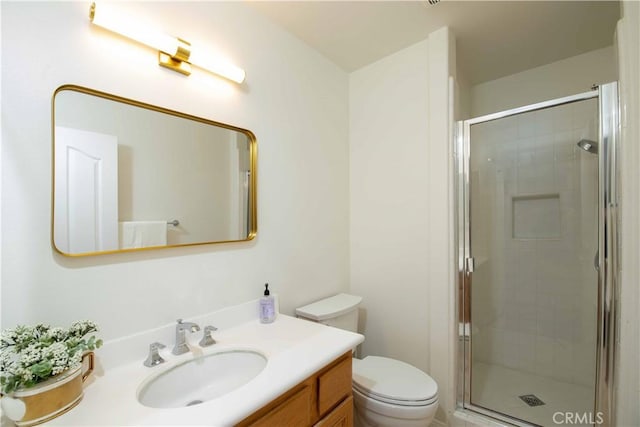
[[142, 234]]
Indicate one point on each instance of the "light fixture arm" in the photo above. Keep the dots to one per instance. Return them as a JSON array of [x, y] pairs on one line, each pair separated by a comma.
[[179, 61]]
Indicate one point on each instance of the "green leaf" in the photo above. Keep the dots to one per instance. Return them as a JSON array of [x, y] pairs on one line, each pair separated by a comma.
[[11, 385], [42, 369]]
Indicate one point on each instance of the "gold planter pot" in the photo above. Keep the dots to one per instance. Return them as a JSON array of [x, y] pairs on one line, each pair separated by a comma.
[[49, 399]]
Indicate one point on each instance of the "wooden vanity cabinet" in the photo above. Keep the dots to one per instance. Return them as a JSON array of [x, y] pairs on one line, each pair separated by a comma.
[[322, 400]]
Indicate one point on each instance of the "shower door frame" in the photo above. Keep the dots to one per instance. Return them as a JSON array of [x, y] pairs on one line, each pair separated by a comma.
[[607, 259]]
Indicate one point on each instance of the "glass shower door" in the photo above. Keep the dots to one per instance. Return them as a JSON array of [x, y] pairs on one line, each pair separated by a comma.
[[533, 235]]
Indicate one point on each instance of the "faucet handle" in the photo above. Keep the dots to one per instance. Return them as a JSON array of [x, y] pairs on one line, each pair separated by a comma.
[[207, 340], [154, 357]]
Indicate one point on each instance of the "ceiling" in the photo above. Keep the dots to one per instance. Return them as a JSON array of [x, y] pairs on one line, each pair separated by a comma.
[[494, 38]]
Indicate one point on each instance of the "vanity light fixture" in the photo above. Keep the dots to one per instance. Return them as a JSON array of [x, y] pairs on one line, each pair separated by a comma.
[[173, 53]]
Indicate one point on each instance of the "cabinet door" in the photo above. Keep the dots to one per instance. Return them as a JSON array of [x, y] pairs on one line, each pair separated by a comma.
[[334, 385], [342, 416], [295, 411]]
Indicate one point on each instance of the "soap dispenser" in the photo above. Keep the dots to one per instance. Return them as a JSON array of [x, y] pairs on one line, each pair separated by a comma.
[[267, 306]]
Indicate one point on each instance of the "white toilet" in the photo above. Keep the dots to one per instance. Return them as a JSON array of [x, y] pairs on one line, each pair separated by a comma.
[[386, 392]]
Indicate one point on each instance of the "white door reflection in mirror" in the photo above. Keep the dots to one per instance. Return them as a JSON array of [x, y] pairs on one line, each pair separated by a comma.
[[86, 190]]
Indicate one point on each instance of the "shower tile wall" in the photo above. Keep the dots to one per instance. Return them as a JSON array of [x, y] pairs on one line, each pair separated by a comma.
[[534, 236]]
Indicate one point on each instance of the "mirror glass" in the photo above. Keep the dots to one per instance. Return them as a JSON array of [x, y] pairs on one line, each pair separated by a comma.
[[133, 176]]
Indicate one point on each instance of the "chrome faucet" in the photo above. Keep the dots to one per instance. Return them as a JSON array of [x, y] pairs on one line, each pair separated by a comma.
[[181, 346], [207, 339], [154, 357]]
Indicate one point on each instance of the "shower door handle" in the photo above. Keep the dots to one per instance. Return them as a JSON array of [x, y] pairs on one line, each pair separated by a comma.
[[470, 264], [596, 263]]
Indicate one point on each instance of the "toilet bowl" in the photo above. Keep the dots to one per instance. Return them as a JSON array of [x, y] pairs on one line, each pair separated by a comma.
[[386, 392]]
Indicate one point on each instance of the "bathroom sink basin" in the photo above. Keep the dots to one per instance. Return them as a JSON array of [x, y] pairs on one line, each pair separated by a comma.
[[201, 379]]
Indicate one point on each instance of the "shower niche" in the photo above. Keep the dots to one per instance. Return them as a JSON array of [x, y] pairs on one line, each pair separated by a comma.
[[536, 216]]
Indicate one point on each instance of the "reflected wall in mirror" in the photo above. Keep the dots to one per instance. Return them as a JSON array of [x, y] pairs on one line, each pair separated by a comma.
[[130, 176]]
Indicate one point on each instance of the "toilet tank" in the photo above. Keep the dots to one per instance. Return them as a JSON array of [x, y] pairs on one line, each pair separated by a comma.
[[339, 311]]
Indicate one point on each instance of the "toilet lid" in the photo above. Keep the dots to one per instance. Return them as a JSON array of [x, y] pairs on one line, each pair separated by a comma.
[[393, 381]]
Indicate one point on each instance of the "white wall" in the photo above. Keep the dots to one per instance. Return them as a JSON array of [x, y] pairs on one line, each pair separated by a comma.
[[294, 100], [400, 207], [389, 136], [628, 375], [442, 266], [562, 78]]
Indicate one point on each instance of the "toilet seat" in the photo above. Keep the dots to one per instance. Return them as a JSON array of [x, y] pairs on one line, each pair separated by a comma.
[[393, 382]]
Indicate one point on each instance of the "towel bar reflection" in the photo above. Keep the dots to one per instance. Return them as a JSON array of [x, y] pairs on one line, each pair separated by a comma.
[[175, 223]]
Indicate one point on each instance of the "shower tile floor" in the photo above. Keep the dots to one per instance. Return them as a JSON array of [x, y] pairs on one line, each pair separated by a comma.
[[497, 388]]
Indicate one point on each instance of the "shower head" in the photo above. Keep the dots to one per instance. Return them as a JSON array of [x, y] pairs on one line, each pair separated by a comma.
[[588, 145]]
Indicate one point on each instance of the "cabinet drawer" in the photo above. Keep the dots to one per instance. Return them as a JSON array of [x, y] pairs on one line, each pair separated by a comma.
[[342, 416], [295, 411], [334, 385], [323, 399]]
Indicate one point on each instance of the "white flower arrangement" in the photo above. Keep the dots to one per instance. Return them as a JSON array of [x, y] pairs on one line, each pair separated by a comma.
[[32, 354]]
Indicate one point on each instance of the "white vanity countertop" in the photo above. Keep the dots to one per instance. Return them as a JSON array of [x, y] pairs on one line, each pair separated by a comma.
[[295, 349]]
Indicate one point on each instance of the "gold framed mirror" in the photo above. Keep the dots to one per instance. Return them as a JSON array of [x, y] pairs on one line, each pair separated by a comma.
[[131, 176]]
